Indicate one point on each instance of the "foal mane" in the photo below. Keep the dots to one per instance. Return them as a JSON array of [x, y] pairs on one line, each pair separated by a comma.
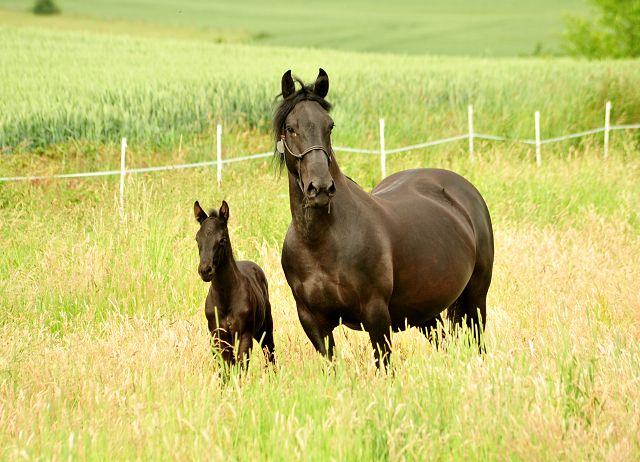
[[282, 110]]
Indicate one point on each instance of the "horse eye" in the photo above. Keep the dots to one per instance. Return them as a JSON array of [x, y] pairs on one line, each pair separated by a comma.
[[223, 240], [289, 129]]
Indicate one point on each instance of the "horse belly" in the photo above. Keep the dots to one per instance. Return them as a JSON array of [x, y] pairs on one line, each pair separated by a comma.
[[432, 266]]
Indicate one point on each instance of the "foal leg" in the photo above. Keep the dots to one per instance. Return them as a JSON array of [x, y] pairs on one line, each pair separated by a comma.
[[245, 344], [318, 331], [264, 336]]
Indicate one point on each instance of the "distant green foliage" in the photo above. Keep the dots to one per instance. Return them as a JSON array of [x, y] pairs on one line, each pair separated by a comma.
[[46, 7], [612, 32]]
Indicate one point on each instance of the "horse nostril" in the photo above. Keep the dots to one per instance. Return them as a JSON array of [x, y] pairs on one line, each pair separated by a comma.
[[332, 189], [311, 190]]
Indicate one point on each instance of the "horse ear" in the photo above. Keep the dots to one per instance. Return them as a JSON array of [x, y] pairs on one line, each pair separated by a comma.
[[288, 87], [321, 88], [224, 211], [199, 213]]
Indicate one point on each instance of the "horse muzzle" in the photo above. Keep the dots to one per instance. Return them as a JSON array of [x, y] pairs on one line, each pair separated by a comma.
[[206, 272], [318, 198]]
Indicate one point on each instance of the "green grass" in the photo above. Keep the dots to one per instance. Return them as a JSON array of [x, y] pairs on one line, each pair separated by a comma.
[[59, 86], [459, 27], [105, 352]]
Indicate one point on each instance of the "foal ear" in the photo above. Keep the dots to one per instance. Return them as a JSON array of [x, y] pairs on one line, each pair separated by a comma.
[[321, 88], [224, 212], [288, 87], [199, 213]]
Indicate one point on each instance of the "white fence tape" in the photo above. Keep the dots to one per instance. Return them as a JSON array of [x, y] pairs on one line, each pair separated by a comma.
[[122, 173], [429, 143], [362, 151], [606, 128], [220, 161]]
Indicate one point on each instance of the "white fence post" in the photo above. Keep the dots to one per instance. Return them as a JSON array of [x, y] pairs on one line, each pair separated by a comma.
[[219, 153], [606, 129], [122, 173], [471, 132], [383, 155], [538, 138]]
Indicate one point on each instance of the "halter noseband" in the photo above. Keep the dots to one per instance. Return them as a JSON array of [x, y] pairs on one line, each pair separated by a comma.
[[284, 145]]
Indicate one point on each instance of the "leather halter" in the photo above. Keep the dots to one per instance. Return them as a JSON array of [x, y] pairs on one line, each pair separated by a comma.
[[301, 155]]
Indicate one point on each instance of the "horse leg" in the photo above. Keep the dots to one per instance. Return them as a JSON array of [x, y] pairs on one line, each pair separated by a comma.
[[220, 347], [319, 332], [377, 322], [430, 330], [470, 309], [264, 336], [245, 344]]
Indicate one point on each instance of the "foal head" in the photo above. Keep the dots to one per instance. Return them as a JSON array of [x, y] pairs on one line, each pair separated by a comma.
[[212, 238], [302, 128]]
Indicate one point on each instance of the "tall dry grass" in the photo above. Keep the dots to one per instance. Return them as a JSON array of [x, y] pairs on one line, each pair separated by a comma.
[[105, 354]]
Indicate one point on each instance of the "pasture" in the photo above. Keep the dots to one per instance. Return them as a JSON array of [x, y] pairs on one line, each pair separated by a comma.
[[105, 351], [461, 27]]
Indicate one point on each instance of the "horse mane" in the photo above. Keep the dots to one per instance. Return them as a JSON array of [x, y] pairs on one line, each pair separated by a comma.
[[352, 180], [282, 110], [212, 213]]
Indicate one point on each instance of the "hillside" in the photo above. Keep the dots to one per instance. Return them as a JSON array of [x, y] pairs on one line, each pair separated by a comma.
[[457, 27]]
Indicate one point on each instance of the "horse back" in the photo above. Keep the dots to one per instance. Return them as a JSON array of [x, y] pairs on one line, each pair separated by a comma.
[[428, 195]]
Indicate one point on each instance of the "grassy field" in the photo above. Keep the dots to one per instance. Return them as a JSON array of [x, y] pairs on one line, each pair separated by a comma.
[[59, 86], [459, 27], [104, 352], [26, 19]]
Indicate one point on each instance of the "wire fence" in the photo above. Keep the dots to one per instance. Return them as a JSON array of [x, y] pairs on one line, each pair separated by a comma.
[[382, 152]]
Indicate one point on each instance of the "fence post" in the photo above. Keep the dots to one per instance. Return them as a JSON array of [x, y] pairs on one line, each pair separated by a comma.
[[383, 155], [219, 152], [538, 138], [606, 128], [471, 132], [122, 173]]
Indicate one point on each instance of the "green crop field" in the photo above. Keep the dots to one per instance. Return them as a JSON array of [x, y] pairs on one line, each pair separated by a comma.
[[105, 354], [457, 27], [60, 86]]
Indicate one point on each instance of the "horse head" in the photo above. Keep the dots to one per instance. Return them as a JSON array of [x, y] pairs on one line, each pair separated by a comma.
[[302, 129], [212, 238]]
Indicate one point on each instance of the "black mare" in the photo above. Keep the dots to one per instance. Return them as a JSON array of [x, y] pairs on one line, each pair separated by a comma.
[[420, 243]]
